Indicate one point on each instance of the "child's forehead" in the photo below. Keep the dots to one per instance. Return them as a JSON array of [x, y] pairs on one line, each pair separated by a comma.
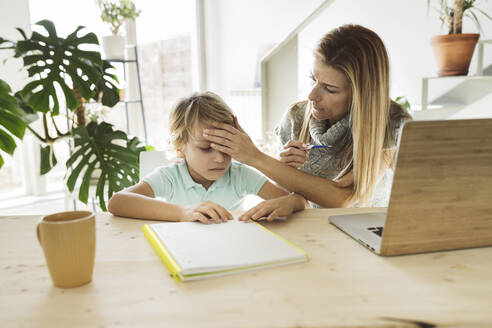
[[197, 131]]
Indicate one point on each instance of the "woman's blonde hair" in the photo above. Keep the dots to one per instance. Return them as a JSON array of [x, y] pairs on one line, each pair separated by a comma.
[[361, 56], [199, 108]]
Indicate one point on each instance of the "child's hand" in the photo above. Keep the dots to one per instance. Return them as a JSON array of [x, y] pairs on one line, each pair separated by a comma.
[[272, 208], [206, 212]]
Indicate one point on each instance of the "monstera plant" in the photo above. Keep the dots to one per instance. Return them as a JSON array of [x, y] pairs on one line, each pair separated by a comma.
[[63, 69]]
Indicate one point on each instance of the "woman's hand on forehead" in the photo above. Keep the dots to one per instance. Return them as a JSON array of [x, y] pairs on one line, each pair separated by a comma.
[[223, 129], [232, 141]]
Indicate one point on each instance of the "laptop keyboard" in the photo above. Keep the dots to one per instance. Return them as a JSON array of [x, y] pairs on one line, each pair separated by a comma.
[[377, 230]]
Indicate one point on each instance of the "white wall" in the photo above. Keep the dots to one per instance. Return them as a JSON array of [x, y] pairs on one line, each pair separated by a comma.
[[13, 14], [405, 28], [236, 31], [16, 14]]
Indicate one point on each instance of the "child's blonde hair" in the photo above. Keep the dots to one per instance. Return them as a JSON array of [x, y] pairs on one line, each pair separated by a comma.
[[199, 108]]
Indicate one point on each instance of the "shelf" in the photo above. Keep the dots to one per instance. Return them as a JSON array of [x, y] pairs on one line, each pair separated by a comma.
[[471, 88], [129, 101], [137, 101], [481, 43], [437, 113], [125, 102], [463, 77], [121, 60], [417, 108]]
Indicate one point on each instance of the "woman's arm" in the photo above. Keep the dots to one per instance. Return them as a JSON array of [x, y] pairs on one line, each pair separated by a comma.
[[138, 202], [322, 191], [235, 142]]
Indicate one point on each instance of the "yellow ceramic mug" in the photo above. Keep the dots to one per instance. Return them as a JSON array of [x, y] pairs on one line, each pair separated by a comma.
[[69, 243]]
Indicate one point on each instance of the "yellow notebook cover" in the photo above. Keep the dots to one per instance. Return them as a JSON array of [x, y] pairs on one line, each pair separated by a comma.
[[192, 250]]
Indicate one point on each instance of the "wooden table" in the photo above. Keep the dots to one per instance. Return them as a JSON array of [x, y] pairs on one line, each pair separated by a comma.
[[343, 284]]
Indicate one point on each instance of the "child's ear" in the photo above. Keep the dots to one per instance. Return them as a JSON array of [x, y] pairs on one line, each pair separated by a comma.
[[180, 152]]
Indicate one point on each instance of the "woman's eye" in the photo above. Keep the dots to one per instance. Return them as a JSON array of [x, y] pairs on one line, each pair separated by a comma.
[[206, 149], [313, 80], [329, 90]]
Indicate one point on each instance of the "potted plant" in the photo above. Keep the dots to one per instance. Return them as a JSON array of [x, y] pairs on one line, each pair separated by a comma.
[[453, 52], [98, 150], [115, 13]]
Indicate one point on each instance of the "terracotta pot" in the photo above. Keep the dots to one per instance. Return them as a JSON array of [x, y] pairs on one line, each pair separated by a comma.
[[453, 52]]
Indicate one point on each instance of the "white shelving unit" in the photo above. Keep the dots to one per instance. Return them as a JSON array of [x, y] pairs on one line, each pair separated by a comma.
[[481, 44]]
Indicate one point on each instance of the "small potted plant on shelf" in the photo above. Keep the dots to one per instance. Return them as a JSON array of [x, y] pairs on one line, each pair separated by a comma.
[[454, 51], [115, 13]]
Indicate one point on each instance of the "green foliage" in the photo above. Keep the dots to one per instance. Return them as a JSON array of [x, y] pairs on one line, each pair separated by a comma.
[[48, 159], [107, 86], [115, 12], [403, 101], [97, 148], [11, 123], [55, 63], [51, 59]]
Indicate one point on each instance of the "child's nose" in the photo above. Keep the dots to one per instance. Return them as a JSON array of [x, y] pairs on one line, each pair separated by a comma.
[[219, 156]]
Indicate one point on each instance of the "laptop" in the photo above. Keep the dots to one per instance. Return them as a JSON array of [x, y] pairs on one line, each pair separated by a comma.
[[441, 196]]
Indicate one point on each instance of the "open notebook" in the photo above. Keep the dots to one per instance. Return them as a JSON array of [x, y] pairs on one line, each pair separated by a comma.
[[192, 250]]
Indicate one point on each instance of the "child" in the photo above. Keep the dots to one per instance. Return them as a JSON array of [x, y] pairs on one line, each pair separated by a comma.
[[206, 185]]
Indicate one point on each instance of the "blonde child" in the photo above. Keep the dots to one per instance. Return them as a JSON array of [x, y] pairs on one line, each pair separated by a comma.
[[205, 186]]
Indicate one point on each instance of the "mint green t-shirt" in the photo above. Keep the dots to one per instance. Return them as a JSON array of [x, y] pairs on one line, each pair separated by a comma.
[[174, 184]]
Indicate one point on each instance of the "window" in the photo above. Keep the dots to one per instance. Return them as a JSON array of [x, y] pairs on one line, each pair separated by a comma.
[[164, 36]]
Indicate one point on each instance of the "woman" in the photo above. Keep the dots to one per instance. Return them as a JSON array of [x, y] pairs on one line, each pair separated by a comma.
[[349, 110]]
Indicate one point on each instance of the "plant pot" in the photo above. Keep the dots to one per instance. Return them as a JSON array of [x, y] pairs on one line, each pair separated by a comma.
[[113, 47], [453, 52]]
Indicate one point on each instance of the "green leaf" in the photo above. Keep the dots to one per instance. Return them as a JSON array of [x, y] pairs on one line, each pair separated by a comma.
[[49, 26], [73, 36], [24, 111], [403, 101], [95, 148], [107, 86], [32, 59], [40, 100], [7, 143], [11, 123], [84, 187], [21, 31], [80, 152], [100, 191], [149, 148], [70, 98], [48, 159], [4, 87], [49, 59], [89, 38], [72, 179]]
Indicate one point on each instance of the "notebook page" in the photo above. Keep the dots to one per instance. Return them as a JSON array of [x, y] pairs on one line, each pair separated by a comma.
[[200, 248]]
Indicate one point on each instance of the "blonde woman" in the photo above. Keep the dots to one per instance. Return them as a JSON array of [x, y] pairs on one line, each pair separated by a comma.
[[349, 111]]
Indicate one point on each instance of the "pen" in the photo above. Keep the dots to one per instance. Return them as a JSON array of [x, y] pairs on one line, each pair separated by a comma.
[[308, 147]]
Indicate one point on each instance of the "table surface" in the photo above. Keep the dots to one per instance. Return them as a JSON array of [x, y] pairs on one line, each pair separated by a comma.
[[343, 284]]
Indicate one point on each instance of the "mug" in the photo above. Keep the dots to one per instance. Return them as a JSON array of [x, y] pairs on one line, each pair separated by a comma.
[[68, 240]]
